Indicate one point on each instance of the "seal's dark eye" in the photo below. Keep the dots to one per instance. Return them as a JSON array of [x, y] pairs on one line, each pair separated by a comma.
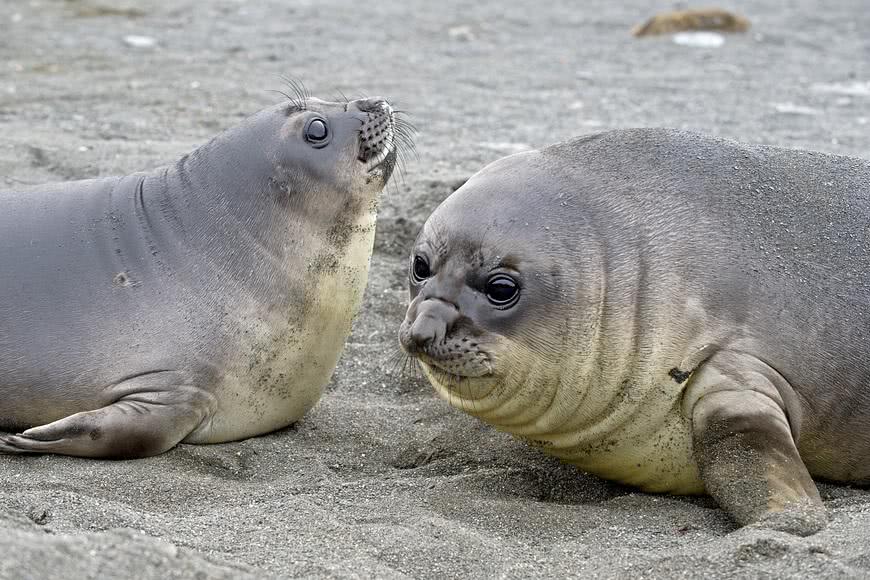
[[420, 270], [502, 290], [316, 132]]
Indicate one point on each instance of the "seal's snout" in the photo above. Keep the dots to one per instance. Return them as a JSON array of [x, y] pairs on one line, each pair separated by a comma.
[[436, 333], [432, 321], [377, 131]]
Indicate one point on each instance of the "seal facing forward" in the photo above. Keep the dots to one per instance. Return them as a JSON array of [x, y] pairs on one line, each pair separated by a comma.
[[671, 311], [202, 302]]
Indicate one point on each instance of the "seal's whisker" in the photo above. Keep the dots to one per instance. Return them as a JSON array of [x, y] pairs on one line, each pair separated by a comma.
[[400, 162], [400, 165], [286, 96], [406, 144], [402, 158], [396, 360], [406, 128], [450, 381], [411, 370], [405, 122], [401, 143], [299, 90], [417, 368], [410, 147], [457, 386], [405, 135], [394, 182], [400, 155], [393, 356], [468, 395], [304, 89], [395, 103], [399, 110], [466, 401], [408, 368]]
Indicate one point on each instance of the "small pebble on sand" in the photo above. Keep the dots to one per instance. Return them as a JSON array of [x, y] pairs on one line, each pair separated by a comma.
[[136, 41], [701, 39]]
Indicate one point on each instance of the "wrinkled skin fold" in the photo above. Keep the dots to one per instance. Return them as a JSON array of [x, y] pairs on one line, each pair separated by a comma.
[[690, 314], [205, 301]]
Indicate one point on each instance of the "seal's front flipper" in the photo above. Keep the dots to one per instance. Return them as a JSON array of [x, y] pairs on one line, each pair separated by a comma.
[[139, 424], [745, 446]]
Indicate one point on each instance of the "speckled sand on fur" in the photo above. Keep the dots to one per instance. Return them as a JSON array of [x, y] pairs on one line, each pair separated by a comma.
[[381, 478]]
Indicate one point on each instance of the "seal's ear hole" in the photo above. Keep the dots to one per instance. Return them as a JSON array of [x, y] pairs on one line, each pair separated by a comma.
[[502, 291], [316, 132]]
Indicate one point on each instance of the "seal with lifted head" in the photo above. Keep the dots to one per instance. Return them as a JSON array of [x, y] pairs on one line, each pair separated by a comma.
[[202, 302], [671, 311]]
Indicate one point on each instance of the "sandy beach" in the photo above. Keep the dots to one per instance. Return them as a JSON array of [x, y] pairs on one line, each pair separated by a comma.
[[382, 479]]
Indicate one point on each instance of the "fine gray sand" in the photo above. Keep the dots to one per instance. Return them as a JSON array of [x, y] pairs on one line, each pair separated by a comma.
[[382, 479]]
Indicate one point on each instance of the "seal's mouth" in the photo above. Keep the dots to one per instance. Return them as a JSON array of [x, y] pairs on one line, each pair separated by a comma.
[[454, 371], [452, 381], [456, 356], [377, 143], [383, 164]]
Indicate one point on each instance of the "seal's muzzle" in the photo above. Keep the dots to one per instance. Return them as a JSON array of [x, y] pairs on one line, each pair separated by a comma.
[[377, 131]]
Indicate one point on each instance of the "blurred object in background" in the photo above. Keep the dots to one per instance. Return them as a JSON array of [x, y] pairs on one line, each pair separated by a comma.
[[686, 20]]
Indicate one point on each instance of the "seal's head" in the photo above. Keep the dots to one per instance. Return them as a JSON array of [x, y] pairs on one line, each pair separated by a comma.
[[337, 146], [302, 169], [490, 283], [308, 156]]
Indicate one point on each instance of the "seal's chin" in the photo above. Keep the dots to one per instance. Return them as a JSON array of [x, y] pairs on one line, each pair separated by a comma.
[[459, 390], [445, 378], [382, 164]]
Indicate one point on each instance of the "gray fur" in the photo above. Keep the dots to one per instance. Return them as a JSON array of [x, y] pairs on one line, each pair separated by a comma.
[[167, 306], [636, 251]]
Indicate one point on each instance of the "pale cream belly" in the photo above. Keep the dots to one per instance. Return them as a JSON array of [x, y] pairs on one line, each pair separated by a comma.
[[652, 458], [278, 391], [639, 438], [281, 374]]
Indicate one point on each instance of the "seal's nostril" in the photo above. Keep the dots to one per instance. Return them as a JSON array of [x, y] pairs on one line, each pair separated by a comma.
[[422, 334], [371, 105]]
